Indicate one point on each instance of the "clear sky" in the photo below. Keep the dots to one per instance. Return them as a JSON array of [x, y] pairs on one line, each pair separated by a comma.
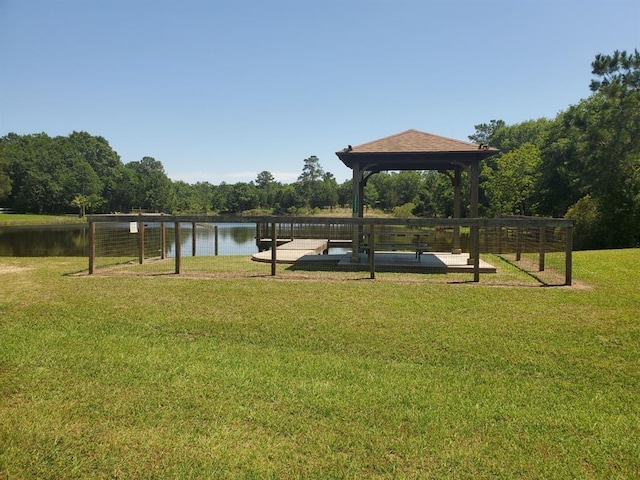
[[220, 90]]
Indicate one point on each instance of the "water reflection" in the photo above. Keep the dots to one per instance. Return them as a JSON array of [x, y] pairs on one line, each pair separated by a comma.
[[115, 239], [44, 241]]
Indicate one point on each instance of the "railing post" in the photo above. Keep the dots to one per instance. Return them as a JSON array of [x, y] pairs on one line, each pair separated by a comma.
[[542, 248], [141, 242], [372, 251], [193, 239], [274, 247], [476, 249], [178, 240], [215, 239], [163, 240], [568, 266], [92, 247]]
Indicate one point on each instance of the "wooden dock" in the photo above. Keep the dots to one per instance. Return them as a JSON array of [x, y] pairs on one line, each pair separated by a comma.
[[292, 251]]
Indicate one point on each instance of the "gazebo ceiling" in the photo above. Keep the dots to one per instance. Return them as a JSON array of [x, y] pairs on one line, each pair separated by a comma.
[[414, 150]]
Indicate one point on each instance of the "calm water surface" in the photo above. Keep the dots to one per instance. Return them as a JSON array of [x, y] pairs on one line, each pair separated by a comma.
[[116, 239]]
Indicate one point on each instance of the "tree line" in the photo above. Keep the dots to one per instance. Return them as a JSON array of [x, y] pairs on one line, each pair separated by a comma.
[[582, 164]]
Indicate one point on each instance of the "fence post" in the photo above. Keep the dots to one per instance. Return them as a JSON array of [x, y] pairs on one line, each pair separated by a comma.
[[141, 242], [475, 234], [543, 247], [215, 239], [372, 251], [274, 247], [163, 240], [193, 239], [178, 241], [92, 247], [518, 243], [568, 266]]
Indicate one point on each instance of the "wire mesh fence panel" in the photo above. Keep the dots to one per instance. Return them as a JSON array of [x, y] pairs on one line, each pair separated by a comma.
[[312, 247], [540, 252]]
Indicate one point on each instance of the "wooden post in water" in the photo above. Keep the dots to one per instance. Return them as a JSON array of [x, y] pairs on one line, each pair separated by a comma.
[[542, 248], [372, 250], [178, 241], [141, 242], [92, 247], [568, 261], [215, 239], [274, 246], [193, 239], [163, 240]]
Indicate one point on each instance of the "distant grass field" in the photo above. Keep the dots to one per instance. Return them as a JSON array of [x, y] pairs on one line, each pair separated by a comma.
[[16, 219], [174, 377]]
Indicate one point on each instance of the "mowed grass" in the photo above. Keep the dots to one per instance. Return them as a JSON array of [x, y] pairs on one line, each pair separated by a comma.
[[169, 377], [17, 219]]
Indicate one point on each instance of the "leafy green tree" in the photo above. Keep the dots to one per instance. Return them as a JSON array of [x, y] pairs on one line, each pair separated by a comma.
[[264, 179], [288, 199], [605, 160], [309, 182], [104, 161], [485, 132], [5, 180], [370, 195], [345, 192], [153, 190], [617, 73], [242, 196], [267, 189], [435, 198], [511, 185]]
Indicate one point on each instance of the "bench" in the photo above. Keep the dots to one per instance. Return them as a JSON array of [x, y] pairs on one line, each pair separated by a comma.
[[389, 242]]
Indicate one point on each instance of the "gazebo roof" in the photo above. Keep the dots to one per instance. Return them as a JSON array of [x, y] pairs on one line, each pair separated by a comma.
[[414, 150]]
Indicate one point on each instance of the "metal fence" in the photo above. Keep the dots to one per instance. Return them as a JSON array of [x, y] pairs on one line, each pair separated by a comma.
[[511, 250]]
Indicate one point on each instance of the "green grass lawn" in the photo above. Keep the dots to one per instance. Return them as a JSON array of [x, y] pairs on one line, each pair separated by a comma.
[[15, 219], [170, 377]]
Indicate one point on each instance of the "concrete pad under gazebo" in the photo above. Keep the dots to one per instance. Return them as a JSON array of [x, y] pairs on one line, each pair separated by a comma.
[[414, 150]]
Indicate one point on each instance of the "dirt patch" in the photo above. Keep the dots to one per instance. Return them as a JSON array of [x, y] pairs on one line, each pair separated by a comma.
[[11, 269]]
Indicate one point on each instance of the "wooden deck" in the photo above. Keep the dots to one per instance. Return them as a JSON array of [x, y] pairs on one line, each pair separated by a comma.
[[306, 253], [293, 250], [432, 262]]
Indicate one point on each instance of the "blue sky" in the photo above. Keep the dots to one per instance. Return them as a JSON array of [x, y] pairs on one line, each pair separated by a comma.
[[221, 90]]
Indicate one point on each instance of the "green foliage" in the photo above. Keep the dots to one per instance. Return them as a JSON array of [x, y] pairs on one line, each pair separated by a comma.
[[510, 186], [316, 187], [152, 190], [5, 180], [404, 211], [617, 72], [588, 160], [435, 198], [590, 230]]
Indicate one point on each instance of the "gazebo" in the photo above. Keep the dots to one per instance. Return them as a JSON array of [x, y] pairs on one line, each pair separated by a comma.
[[415, 150]]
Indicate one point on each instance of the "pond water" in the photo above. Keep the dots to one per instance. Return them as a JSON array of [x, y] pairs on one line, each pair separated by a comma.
[[73, 240]]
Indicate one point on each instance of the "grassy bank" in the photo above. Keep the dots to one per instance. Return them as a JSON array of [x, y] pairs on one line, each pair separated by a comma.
[[16, 219], [165, 377]]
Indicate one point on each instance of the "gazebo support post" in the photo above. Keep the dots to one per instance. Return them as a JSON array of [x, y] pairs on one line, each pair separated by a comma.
[[457, 181], [475, 183], [357, 211]]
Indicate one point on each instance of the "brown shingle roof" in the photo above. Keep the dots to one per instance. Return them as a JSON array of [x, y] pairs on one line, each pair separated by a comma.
[[414, 141]]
